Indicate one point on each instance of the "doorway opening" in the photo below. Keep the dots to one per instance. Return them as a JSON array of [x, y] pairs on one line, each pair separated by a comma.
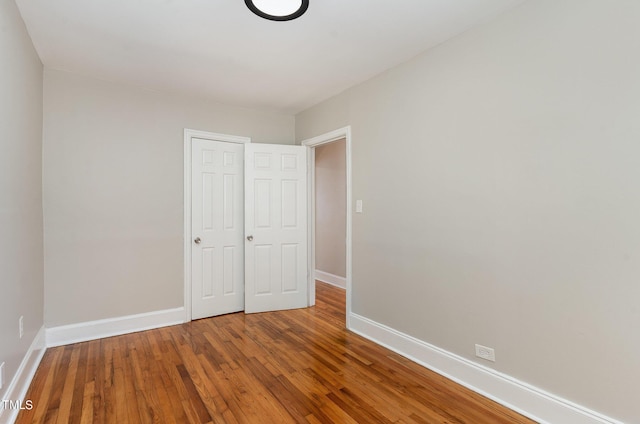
[[330, 229]]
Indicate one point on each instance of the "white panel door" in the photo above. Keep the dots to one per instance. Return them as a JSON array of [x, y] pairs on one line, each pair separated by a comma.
[[217, 258], [275, 227]]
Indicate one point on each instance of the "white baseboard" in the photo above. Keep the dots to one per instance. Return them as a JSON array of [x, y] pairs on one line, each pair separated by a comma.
[[92, 330], [332, 279], [20, 383], [528, 400]]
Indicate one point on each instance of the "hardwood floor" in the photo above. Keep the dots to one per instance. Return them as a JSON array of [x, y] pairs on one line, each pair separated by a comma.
[[280, 367]]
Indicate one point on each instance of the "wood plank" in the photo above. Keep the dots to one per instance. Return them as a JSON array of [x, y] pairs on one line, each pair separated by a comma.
[[286, 366]]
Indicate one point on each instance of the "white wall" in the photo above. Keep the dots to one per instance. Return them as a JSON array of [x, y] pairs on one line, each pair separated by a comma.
[[499, 174], [331, 199], [113, 192], [21, 257]]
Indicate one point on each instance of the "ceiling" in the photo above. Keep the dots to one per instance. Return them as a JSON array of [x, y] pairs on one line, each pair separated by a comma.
[[218, 49]]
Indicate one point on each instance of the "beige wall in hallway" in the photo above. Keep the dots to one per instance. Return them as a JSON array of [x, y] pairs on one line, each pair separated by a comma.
[[21, 245], [331, 217], [499, 174]]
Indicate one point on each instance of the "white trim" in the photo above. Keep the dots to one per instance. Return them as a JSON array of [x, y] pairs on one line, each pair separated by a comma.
[[93, 330], [188, 135], [334, 280], [533, 402], [206, 135], [335, 135], [311, 225], [20, 383]]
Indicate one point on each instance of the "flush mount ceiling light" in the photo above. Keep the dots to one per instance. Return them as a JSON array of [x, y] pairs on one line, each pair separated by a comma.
[[278, 10]]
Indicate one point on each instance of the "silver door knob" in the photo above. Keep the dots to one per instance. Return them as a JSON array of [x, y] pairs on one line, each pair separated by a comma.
[[197, 240], [250, 238]]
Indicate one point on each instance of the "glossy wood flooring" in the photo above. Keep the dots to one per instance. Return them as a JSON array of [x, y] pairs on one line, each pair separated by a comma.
[[281, 367]]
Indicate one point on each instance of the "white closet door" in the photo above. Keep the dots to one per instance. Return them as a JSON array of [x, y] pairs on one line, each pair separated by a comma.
[[275, 227], [217, 258]]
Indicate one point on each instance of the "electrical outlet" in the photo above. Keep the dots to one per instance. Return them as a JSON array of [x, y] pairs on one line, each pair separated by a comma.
[[485, 353], [21, 326], [1, 375]]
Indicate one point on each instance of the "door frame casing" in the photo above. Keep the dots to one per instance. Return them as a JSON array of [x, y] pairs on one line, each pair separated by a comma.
[[311, 143], [188, 135]]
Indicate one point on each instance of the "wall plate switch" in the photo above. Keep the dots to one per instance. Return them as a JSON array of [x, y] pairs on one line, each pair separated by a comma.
[[21, 326], [485, 353], [358, 206]]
